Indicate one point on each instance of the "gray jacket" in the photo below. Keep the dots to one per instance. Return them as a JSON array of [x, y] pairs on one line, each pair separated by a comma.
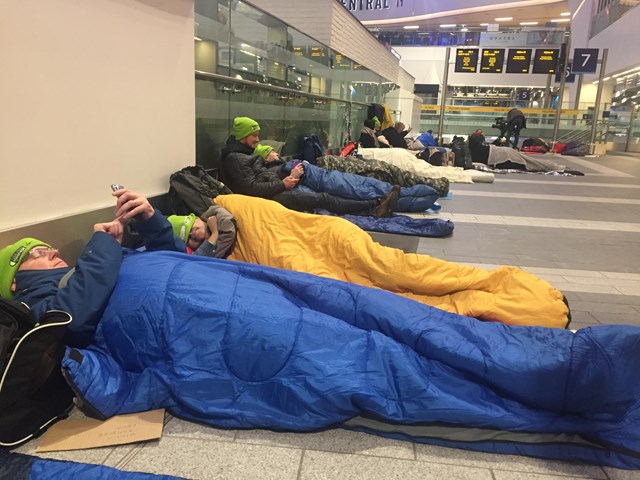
[[227, 233]]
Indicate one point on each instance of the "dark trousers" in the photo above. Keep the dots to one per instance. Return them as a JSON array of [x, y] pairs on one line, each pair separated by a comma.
[[309, 201], [513, 130]]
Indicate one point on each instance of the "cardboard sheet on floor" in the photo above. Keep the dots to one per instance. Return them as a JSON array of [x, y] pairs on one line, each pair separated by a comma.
[[80, 433]]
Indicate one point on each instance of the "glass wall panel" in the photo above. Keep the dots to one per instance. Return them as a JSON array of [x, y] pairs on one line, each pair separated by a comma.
[[285, 116], [251, 64]]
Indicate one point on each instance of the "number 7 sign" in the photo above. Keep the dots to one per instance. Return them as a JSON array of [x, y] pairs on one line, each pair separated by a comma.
[[585, 60]]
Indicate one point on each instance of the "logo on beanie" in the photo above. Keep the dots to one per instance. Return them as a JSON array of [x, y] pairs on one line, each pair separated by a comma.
[[15, 258], [183, 229]]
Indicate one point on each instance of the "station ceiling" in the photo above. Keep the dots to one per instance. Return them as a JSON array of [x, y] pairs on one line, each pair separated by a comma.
[[543, 13]]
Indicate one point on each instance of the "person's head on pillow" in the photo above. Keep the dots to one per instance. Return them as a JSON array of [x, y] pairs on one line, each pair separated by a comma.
[[26, 254], [190, 229]]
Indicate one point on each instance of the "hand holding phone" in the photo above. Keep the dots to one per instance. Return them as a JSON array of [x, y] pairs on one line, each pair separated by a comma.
[[115, 187]]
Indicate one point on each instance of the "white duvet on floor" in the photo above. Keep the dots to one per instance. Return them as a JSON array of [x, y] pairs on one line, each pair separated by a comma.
[[407, 160]]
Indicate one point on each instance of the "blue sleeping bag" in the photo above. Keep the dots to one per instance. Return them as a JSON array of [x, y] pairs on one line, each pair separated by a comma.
[[15, 466], [416, 198], [245, 346], [400, 224]]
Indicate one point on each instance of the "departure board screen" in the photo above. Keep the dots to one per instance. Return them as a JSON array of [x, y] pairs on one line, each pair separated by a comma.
[[492, 60], [518, 60], [466, 60], [342, 62], [545, 60]]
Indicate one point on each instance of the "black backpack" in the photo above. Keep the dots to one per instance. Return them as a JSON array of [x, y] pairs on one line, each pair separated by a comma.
[[434, 157], [375, 110], [192, 189], [462, 157], [312, 148], [33, 392]]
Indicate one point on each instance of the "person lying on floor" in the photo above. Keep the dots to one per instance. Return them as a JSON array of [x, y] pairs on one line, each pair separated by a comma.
[[213, 234], [245, 346], [335, 248], [246, 173], [382, 171], [416, 198], [509, 158], [31, 271]]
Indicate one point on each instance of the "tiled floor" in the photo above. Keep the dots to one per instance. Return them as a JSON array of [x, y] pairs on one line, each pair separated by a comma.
[[580, 233]]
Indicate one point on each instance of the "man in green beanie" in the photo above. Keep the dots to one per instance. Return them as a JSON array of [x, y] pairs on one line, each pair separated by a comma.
[[211, 235], [247, 173], [32, 272], [25, 254]]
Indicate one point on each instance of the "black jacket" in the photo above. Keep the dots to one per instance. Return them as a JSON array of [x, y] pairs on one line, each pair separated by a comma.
[[395, 138], [368, 138], [247, 174], [516, 116]]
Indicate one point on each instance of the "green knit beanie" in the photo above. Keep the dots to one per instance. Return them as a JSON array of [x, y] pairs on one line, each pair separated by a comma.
[[263, 150], [377, 122], [10, 259], [181, 225], [244, 126]]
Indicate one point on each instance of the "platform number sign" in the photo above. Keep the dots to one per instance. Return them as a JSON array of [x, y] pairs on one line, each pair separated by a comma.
[[569, 76], [585, 60]]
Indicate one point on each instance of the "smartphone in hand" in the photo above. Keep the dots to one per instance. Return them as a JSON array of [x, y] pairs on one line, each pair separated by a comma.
[[115, 187]]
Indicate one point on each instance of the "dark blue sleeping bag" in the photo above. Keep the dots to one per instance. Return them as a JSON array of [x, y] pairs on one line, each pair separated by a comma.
[[416, 198], [15, 466], [400, 224], [246, 346]]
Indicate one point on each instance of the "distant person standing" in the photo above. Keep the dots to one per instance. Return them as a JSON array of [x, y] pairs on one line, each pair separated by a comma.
[[516, 121]]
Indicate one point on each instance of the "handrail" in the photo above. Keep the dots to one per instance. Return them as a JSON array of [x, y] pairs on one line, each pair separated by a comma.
[[274, 88]]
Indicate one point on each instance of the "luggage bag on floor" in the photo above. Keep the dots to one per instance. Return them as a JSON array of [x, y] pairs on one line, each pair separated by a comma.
[[33, 392]]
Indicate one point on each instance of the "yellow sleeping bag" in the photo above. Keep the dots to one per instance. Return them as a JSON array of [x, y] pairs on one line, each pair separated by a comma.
[[270, 234]]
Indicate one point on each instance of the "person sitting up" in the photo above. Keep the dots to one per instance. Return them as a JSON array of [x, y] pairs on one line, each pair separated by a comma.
[[368, 136], [382, 140], [211, 235], [396, 135], [427, 139], [416, 198], [247, 173], [516, 121], [478, 148]]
